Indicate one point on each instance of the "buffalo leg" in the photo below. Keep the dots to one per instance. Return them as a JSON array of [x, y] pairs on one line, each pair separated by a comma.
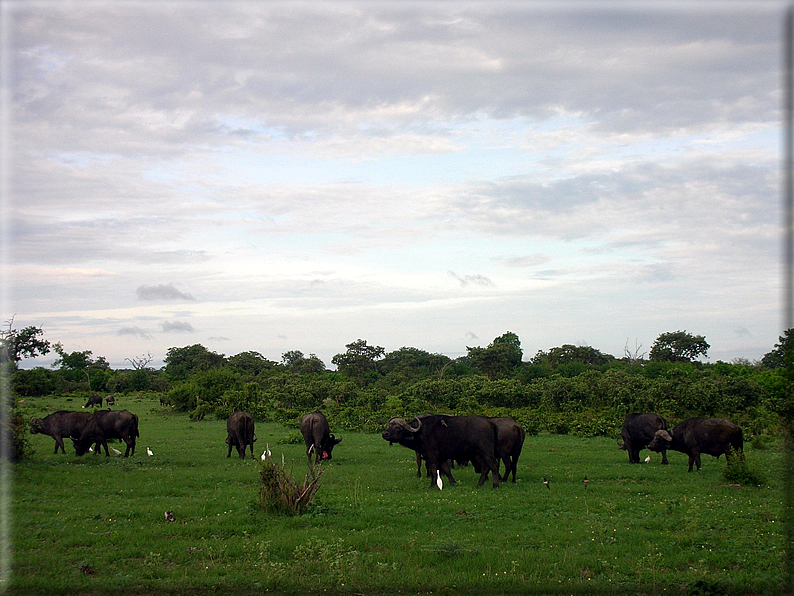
[[229, 454], [664, 458], [105, 445], [59, 443], [447, 471]]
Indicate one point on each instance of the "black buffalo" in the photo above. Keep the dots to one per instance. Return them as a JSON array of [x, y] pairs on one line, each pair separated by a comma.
[[510, 443], [240, 433], [439, 438], [693, 436], [317, 436], [59, 425], [107, 424], [638, 431], [94, 400]]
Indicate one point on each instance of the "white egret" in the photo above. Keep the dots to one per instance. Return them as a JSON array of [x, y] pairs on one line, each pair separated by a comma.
[[149, 452], [439, 484], [648, 459], [116, 451]]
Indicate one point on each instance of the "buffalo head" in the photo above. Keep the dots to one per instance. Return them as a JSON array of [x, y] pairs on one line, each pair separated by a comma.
[[36, 425], [399, 431], [661, 441], [329, 446]]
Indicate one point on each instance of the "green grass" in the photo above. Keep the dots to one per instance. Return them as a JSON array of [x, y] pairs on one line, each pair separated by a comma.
[[377, 529]]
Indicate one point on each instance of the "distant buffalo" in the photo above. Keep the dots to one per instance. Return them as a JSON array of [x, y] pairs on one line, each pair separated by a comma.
[[317, 436], [94, 400], [637, 433], [240, 433], [59, 425], [110, 400], [107, 424], [693, 436]]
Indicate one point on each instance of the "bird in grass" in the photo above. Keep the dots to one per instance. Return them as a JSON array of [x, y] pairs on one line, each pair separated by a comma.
[[263, 457], [90, 450], [267, 450], [439, 484], [648, 459], [546, 482], [116, 451], [149, 452], [585, 482]]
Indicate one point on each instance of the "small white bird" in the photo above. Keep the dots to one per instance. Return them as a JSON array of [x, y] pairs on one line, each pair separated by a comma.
[[116, 451], [263, 457], [648, 459], [439, 484], [546, 482], [90, 449], [149, 452]]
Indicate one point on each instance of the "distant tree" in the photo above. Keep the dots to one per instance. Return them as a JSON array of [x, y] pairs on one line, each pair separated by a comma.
[[678, 346], [296, 362], [252, 363], [359, 359], [140, 362], [16, 344], [501, 357], [180, 363], [783, 352], [413, 361], [568, 353]]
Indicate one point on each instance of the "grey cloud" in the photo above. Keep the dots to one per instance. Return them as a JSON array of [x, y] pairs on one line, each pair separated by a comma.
[[134, 331], [162, 292], [465, 280], [176, 327]]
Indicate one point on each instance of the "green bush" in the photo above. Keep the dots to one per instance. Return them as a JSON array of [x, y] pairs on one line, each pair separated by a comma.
[[738, 472]]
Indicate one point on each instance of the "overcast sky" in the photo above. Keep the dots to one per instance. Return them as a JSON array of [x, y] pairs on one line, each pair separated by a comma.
[[296, 176]]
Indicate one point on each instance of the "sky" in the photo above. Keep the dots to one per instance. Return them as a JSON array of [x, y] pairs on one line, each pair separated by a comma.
[[297, 176]]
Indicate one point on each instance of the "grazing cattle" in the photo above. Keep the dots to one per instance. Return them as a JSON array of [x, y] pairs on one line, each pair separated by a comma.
[[240, 433], [693, 436], [637, 433], [439, 438], [59, 425], [110, 400], [317, 436], [94, 400], [107, 424], [510, 442]]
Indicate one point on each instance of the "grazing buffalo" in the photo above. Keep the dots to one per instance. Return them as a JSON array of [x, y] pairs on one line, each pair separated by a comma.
[[713, 436], [110, 400], [107, 424], [439, 438], [509, 445], [59, 425], [94, 400], [240, 433], [317, 436], [637, 433]]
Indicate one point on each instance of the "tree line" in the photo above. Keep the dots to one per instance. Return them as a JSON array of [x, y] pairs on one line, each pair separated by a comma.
[[576, 389]]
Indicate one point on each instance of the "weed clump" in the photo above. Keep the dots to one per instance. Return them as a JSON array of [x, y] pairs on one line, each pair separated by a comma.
[[738, 472], [281, 494]]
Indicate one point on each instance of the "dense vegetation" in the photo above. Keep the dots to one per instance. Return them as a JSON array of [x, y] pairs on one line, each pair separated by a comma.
[[567, 389]]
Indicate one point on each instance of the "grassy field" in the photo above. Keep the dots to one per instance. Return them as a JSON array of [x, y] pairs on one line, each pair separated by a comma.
[[93, 525]]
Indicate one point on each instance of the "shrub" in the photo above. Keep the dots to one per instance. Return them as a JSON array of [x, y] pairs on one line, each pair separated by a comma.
[[738, 471], [281, 494]]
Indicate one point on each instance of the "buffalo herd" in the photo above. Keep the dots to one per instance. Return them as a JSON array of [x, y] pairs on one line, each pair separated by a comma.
[[440, 440]]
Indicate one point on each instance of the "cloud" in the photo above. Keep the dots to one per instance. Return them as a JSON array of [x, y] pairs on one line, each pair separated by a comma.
[[479, 280], [161, 292], [176, 327], [134, 331]]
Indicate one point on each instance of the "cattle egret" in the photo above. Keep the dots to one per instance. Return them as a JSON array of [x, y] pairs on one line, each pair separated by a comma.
[[267, 450], [149, 452], [546, 482], [439, 484], [90, 448], [585, 482], [116, 451], [648, 459], [263, 457]]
